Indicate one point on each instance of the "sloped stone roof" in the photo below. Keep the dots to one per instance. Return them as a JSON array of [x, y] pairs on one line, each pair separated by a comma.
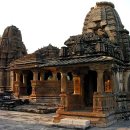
[[80, 61]]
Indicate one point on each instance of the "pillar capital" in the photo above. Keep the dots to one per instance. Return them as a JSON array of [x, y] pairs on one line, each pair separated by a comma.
[[63, 74], [99, 70]]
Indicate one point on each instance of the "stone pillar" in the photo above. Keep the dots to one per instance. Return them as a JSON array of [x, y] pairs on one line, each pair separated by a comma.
[[12, 80], [77, 83], [82, 89], [8, 80], [100, 85], [17, 84], [63, 94], [98, 97], [17, 76], [63, 82], [35, 75], [23, 87], [82, 84], [54, 78], [41, 76], [25, 79], [35, 83]]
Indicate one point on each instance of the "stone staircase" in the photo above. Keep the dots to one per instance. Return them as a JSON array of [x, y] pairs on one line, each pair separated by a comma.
[[8, 101]]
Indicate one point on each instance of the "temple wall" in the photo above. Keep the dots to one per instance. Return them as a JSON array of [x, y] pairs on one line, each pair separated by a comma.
[[43, 91], [126, 81], [48, 88], [1, 80]]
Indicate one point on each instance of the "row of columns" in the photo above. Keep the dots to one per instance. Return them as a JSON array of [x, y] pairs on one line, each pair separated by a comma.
[[35, 76], [100, 84], [18, 81], [35, 81], [77, 84]]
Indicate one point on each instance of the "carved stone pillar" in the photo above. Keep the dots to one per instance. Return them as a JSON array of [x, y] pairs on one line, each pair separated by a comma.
[[12, 80], [17, 84], [63, 94], [98, 97], [63, 82], [35, 75], [54, 78], [82, 88], [77, 84], [35, 83], [115, 81], [41, 76], [25, 79], [100, 85], [17, 76]]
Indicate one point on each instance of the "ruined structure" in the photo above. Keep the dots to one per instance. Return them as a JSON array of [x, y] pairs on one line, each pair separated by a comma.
[[89, 77], [11, 48]]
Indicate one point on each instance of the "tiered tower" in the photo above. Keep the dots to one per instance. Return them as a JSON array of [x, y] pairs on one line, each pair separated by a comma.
[[11, 48]]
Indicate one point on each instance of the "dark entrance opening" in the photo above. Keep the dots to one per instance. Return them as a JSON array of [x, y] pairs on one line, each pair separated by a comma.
[[90, 86], [29, 78]]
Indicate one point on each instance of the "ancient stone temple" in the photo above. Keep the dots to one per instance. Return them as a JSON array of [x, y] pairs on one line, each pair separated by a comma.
[[32, 79], [89, 77], [11, 48]]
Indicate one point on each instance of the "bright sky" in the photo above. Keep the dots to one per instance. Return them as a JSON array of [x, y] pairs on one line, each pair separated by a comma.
[[51, 21]]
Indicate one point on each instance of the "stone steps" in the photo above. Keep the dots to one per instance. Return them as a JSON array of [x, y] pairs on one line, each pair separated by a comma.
[[73, 123]]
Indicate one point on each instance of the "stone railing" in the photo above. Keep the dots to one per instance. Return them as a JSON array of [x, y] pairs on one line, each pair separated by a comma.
[[46, 88], [103, 102]]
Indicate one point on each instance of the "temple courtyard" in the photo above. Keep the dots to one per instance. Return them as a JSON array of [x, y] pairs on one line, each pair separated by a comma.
[[14, 120]]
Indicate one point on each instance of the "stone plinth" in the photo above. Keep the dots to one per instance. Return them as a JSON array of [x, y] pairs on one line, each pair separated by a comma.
[[103, 102]]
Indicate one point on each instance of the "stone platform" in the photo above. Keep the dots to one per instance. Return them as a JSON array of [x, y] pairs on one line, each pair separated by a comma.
[[14, 120], [37, 108]]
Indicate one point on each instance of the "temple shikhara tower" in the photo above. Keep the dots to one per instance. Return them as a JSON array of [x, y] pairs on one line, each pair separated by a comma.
[[89, 77], [11, 48]]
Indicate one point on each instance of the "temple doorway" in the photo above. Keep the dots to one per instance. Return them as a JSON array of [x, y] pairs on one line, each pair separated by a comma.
[[28, 86], [90, 86]]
